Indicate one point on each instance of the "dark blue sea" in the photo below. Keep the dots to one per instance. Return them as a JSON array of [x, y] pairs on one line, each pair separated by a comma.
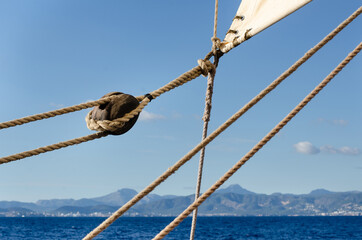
[[228, 228]]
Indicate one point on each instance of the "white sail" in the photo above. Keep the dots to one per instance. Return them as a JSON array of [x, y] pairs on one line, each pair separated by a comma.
[[253, 16]]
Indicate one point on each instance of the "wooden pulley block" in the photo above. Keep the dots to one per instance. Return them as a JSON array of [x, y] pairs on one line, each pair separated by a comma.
[[117, 108]]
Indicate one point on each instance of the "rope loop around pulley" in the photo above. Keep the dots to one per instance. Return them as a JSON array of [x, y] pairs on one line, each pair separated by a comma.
[[101, 117]]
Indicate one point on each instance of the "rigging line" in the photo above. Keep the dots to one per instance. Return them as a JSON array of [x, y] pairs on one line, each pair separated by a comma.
[[259, 145], [182, 79], [54, 113], [217, 132], [206, 117], [53, 147]]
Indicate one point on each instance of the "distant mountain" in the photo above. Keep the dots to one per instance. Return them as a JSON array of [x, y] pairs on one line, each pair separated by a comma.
[[231, 201], [234, 188], [320, 192], [16, 204], [117, 198]]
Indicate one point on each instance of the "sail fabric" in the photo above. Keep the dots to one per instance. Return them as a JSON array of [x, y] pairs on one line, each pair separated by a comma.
[[253, 16]]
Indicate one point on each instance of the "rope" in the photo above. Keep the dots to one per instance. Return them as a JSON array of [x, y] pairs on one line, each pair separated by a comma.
[[52, 147], [259, 145], [212, 136], [106, 126], [206, 117], [54, 113], [238, 41]]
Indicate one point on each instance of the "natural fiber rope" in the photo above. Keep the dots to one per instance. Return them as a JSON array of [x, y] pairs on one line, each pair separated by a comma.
[[52, 147], [204, 67], [54, 113], [206, 117], [258, 146], [212, 136], [238, 41]]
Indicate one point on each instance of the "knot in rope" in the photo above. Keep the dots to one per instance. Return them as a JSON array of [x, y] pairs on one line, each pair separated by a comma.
[[206, 67], [116, 116], [215, 44]]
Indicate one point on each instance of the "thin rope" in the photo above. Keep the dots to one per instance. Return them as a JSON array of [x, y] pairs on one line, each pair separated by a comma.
[[206, 117], [215, 17], [204, 67], [259, 145], [211, 137]]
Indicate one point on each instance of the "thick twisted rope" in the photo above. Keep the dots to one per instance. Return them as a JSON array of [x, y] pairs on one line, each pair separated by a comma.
[[259, 145], [54, 113], [206, 117], [208, 139], [204, 67], [52, 147]]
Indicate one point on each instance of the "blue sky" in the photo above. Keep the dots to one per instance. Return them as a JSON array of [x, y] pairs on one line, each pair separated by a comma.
[[60, 53]]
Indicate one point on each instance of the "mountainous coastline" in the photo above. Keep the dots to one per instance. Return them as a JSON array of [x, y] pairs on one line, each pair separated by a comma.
[[231, 201]]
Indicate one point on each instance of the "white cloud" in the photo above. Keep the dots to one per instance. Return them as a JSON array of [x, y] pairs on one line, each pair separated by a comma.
[[306, 148], [147, 116], [343, 150], [349, 151], [329, 149]]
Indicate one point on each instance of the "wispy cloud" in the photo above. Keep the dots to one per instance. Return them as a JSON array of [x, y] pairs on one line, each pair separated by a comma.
[[343, 150], [337, 122], [308, 148], [148, 116]]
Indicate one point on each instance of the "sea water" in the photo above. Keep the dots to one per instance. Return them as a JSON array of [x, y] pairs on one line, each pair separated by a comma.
[[227, 228]]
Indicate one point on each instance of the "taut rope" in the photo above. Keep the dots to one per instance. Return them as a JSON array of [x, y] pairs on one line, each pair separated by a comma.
[[259, 145], [206, 117]]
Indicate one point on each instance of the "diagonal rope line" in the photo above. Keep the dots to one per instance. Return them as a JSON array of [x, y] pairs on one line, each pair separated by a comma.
[[52, 147], [54, 113], [217, 132], [259, 145]]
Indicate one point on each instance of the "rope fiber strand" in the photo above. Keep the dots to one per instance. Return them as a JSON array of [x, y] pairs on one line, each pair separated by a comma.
[[217, 132], [258, 146]]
